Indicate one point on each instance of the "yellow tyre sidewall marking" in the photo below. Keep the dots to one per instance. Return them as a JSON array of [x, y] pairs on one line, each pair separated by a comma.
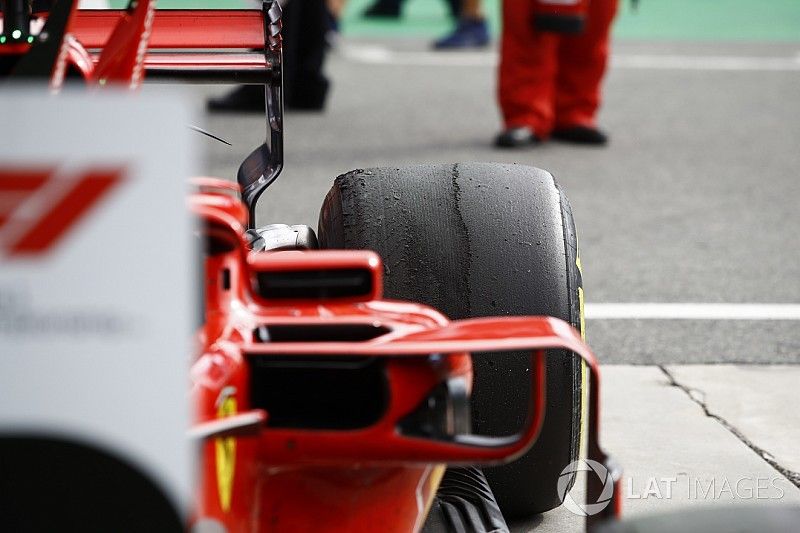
[[584, 424]]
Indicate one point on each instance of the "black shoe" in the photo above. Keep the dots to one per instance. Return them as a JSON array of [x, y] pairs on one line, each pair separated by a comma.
[[581, 135], [516, 137], [383, 9], [243, 99]]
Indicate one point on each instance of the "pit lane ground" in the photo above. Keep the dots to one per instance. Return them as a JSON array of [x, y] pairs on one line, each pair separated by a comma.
[[694, 202]]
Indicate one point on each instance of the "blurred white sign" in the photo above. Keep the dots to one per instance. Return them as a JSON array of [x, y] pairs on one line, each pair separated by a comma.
[[96, 279]]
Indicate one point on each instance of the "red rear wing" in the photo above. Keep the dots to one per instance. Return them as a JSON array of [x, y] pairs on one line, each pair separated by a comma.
[[204, 46], [179, 28], [215, 45]]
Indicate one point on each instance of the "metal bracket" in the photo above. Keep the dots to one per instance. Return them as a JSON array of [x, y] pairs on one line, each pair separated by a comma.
[[262, 167]]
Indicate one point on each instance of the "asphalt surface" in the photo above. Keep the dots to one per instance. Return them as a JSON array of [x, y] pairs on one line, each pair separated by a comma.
[[695, 200]]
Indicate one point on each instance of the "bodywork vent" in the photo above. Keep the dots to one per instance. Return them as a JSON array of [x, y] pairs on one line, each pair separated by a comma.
[[319, 392], [319, 333], [323, 284]]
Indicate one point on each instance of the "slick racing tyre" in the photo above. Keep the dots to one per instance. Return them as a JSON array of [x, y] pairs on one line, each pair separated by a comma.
[[471, 240]]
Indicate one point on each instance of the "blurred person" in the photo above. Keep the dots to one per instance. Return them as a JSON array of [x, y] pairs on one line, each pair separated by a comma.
[[471, 30], [305, 28], [391, 9], [305, 86], [335, 9], [549, 83]]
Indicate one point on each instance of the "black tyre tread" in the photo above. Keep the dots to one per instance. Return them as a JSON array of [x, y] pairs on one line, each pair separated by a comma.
[[478, 239]]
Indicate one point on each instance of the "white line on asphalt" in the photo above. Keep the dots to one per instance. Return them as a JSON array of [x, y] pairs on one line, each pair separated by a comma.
[[381, 55], [730, 63], [691, 311]]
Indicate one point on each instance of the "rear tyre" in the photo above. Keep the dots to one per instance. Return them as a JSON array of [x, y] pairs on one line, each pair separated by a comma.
[[472, 240]]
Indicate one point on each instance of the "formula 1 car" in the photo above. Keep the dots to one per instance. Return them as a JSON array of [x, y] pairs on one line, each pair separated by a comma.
[[313, 391], [322, 405]]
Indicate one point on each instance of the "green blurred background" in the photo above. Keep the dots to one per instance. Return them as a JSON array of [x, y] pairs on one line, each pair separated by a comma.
[[713, 20], [700, 20]]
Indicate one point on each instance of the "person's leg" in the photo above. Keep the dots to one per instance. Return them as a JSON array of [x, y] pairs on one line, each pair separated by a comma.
[[305, 46], [472, 9], [383, 9], [458, 7], [527, 70], [582, 62]]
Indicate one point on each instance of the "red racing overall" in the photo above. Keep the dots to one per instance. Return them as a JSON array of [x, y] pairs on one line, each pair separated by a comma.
[[551, 80]]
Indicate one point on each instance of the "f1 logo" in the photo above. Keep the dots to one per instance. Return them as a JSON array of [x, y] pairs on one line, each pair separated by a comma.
[[40, 205]]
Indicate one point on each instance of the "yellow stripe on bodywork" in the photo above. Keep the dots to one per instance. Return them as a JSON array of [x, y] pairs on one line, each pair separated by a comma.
[[225, 453], [429, 488]]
